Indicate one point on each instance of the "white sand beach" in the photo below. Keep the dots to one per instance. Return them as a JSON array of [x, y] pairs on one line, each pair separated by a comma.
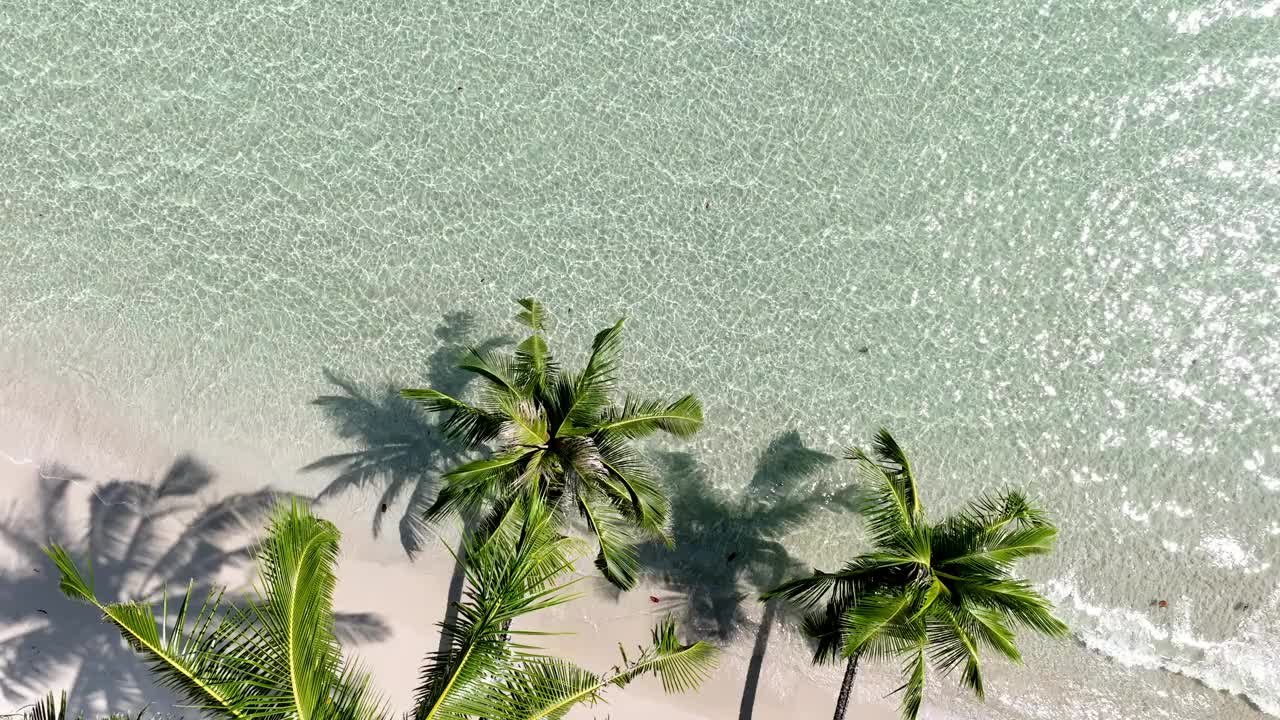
[[93, 445]]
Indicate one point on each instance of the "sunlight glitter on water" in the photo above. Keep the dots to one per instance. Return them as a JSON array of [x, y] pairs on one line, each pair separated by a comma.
[[1054, 230]]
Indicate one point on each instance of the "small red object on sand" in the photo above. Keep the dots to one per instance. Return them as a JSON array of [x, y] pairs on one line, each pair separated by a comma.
[[653, 599], [1164, 603]]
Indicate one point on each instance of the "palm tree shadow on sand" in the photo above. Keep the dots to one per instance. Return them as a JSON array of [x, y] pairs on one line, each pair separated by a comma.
[[397, 448], [142, 540], [729, 546]]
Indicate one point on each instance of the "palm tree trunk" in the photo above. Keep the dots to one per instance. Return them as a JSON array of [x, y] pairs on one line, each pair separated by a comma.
[[747, 708], [846, 685]]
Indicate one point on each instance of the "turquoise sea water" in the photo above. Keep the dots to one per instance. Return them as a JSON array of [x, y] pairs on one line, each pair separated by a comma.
[[1054, 227]]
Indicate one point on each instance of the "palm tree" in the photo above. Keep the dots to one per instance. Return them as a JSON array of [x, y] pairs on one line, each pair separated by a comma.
[[560, 436], [927, 592], [277, 655]]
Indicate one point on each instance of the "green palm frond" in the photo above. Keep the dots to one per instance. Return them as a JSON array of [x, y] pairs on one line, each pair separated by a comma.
[[510, 573], [352, 697], [56, 708], [277, 657], [483, 674], [189, 659], [1017, 601], [896, 640], [568, 398], [952, 646], [637, 418], [913, 689], [872, 616], [296, 562], [916, 545], [983, 551], [534, 314], [544, 687], [296, 574], [495, 367], [506, 529], [891, 461], [581, 399], [826, 628], [888, 511], [924, 603], [629, 477], [680, 667], [995, 511], [840, 588], [988, 626], [580, 455], [535, 467], [823, 628], [806, 591], [273, 658], [971, 677], [50, 708], [471, 484], [524, 425], [891, 455], [533, 366], [505, 514], [455, 500], [606, 357], [618, 559], [464, 421]]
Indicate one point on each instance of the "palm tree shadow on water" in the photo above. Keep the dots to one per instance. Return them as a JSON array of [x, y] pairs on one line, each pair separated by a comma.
[[397, 448], [143, 539], [729, 546]]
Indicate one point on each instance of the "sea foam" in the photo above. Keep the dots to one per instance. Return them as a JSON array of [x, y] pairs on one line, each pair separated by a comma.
[[1244, 664]]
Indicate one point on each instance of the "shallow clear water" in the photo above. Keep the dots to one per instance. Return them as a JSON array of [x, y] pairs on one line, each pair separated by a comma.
[[1055, 229]]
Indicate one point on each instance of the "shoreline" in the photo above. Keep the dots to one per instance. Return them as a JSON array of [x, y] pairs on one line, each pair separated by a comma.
[[86, 432]]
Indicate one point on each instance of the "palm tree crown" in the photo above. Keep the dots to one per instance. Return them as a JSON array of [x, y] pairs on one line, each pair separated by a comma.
[[927, 593], [559, 435]]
